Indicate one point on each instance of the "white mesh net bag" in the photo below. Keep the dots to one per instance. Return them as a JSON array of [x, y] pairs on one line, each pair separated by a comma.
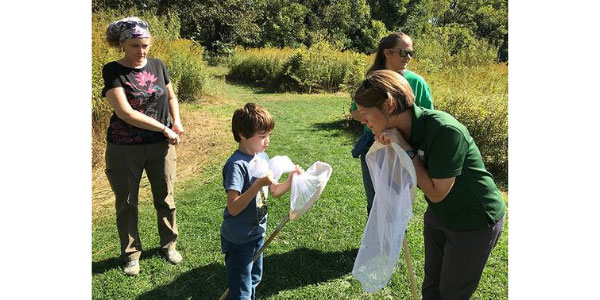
[[394, 181], [260, 165], [307, 187]]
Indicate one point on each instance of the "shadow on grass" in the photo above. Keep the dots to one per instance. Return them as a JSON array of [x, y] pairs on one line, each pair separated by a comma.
[[102, 266], [347, 125], [285, 271], [257, 87]]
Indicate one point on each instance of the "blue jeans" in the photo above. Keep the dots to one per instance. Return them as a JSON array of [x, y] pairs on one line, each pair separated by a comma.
[[243, 275], [366, 175]]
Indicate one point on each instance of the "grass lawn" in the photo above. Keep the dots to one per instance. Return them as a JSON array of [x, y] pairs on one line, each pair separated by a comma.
[[311, 258]]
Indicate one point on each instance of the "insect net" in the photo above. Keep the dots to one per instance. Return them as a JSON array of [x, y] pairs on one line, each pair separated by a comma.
[[306, 188], [394, 181]]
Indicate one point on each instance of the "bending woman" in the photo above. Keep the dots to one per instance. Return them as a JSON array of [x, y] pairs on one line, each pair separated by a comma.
[[393, 53], [140, 137], [465, 212]]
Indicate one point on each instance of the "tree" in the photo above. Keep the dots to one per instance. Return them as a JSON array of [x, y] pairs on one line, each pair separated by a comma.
[[283, 24], [390, 12], [487, 19]]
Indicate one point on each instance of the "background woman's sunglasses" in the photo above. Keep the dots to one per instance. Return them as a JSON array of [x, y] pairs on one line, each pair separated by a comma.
[[404, 53]]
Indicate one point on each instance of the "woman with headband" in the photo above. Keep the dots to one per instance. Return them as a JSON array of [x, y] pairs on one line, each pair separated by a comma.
[[465, 212], [140, 137]]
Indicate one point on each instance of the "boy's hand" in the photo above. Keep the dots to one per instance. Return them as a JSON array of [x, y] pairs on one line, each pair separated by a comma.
[[267, 180], [298, 171]]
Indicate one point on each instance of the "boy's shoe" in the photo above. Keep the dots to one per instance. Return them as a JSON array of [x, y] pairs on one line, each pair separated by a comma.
[[173, 256], [132, 267]]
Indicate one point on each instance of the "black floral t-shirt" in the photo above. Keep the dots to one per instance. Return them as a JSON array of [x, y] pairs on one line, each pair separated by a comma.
[[146, 92]]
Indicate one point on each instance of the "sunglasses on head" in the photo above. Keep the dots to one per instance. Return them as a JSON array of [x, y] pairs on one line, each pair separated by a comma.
[[132, 24], [404, 53], [373, 90]]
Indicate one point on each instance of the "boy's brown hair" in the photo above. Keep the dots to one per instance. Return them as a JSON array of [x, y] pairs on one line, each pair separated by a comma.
[[249, 120]]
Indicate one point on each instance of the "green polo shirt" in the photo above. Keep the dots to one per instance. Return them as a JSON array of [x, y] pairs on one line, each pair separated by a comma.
[[420, 89], [447, 150]]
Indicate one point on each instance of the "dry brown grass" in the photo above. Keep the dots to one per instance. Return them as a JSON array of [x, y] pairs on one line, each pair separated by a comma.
[[207, 139]]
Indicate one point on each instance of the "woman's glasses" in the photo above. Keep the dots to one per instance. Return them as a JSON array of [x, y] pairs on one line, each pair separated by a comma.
[[367, 85], [404, 52], [132, 24]]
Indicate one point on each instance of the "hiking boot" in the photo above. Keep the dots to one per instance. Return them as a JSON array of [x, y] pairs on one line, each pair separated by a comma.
[[173, 256], [132, 267]]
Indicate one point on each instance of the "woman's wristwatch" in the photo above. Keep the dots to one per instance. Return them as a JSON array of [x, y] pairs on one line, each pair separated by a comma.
[[411, 153]]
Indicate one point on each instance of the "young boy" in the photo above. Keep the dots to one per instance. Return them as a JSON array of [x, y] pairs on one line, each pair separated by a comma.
[[245, 217]]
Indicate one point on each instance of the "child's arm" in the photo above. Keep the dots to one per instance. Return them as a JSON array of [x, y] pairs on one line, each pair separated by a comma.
[[278, 189], [236, 202]]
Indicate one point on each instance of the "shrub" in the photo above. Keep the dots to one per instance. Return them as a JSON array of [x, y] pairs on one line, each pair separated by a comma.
[[258, 66], [452, 46], [322, 68], [305, 70], [186, 68], [478, 98]]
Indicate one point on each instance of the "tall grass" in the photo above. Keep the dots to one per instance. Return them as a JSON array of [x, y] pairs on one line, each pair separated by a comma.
[[453, 47], [259, 66], [308, 70], [183, 60], [477, 97], [322, 68]]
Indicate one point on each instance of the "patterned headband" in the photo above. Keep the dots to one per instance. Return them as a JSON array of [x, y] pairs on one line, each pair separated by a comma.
[[133, 29]]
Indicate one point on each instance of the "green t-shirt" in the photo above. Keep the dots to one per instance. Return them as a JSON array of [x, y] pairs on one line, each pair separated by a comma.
[[420, 89], [447, 150]]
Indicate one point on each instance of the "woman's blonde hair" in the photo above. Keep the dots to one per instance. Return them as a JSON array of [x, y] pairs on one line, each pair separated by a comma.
[[383, 86]]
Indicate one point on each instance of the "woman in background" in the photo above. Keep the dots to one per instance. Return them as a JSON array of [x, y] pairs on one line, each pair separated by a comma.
[[140, 137]]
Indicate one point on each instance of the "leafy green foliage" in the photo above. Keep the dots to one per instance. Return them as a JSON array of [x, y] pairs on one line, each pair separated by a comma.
[[260, 66], [390, 12], [453, 46], [307, 70], [357, 25], [321, 68], [487, 19], [186, 68], [477, 96], [284, 24]]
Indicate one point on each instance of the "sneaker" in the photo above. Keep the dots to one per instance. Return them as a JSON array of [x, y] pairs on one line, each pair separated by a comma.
[[173, 256], [132, 267]]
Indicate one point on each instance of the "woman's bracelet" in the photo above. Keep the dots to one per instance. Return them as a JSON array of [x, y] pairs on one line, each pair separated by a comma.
[[164, 128]]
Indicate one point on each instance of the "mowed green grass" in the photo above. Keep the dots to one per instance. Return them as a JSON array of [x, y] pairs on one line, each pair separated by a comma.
[[311, 258]]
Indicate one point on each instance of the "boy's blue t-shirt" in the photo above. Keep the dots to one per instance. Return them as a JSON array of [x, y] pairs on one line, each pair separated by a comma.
[[251, 223]]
